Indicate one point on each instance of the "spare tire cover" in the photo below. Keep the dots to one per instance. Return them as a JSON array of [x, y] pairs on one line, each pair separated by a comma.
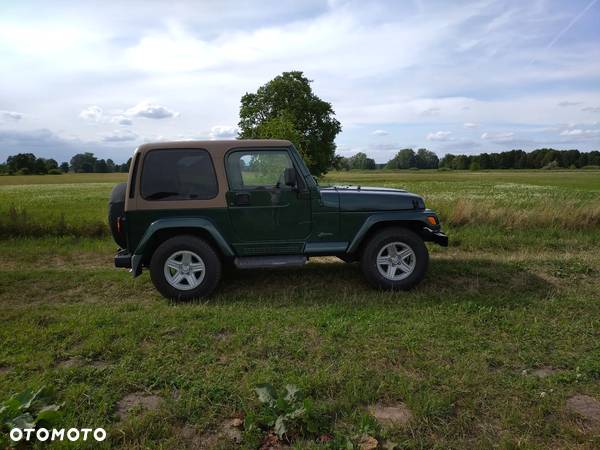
[[116, 209]]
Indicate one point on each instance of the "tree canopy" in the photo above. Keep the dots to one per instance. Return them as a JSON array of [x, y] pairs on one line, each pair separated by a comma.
[[361, 161], [287, 108], [29, 164]]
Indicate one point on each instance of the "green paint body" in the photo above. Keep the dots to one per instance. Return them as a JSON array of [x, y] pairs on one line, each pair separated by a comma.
[[311, 220]]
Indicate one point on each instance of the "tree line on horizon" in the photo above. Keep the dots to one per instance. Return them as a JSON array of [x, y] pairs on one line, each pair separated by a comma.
[[544, 158], [29, 164]]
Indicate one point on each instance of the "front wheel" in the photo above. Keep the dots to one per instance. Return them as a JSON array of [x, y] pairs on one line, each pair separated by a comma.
[[395, 258], [185, 268]]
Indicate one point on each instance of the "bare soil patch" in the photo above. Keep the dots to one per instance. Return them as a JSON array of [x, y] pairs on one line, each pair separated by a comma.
[[138, 400], [397, 414], [100, 364], [544, 372], [227, 435], [74, 361], [587, 407], [79, 361]]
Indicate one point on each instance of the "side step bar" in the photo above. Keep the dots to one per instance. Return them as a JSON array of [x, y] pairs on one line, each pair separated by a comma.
[[265, 262]]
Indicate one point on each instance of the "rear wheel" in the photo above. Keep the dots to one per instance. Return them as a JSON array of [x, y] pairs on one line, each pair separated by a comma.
[[185, 268], [395, 258]]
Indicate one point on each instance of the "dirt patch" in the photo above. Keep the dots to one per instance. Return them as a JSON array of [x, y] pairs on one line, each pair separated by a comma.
[[75, 361], [272, 442], [587, 407], [543, 372], [197, 441], [79, 361], [227, 435], [138, 401], [231, 430], [397, 414], [222, 336], [4, 369], [100, 364]]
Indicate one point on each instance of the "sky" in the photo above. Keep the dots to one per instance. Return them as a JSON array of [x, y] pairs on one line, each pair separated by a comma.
[[454, 77]]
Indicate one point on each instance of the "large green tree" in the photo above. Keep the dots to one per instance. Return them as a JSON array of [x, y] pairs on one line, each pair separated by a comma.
[[83, 162], [404, 159], [361, 161], [426, 159], [287, 108]]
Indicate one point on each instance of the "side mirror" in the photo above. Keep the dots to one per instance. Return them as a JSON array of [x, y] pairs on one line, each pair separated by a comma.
[[290, 177]]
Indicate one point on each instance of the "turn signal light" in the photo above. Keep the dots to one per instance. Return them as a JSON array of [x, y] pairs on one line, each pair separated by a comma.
[[432, 220]]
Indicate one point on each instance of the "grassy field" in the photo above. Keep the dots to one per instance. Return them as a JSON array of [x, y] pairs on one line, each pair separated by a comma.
[[485, 353]]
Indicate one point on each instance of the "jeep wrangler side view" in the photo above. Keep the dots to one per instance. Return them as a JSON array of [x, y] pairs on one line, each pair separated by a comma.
[[189, 208]]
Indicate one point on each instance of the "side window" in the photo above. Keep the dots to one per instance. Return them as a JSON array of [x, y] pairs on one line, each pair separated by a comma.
[[174, 174], [256, 169]]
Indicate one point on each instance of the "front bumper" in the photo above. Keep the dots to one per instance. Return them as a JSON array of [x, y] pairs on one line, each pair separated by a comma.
[[123, 259], [435, 236]]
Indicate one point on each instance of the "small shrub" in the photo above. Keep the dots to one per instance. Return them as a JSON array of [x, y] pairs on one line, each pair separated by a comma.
[[28, 409], [289, 416], [55, 172]]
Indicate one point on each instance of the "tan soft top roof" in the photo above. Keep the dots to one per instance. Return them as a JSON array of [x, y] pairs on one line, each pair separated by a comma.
[[217, 150], [216, 146]]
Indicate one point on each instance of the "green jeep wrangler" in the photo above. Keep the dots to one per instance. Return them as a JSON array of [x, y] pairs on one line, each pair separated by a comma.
[[189, 208]]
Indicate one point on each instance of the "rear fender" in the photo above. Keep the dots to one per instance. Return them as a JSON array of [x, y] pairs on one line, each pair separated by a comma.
[[172, 224]]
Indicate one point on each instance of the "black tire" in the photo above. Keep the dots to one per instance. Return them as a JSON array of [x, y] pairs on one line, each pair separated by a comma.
[[376, 243], [116, 209], [201, 248]]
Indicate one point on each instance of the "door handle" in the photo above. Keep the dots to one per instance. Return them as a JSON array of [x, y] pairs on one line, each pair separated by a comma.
[[241, 199]]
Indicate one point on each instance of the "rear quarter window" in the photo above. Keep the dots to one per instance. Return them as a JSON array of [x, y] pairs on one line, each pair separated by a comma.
[[178, 174]]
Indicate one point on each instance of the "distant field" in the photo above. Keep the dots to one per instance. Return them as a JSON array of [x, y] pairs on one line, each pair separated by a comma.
[[485, 352], [75, 204], [67, 178]]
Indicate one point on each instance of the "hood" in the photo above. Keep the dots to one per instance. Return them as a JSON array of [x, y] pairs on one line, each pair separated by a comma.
[[362, 198]]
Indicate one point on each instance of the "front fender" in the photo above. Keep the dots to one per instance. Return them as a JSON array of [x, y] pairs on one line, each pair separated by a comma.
[[174, 223], [392, 216]]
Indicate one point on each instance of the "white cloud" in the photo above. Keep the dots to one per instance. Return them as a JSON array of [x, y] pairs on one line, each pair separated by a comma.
[[439, 136], [200, 58], [498, 137], [11, 115], [594, 109], [470, 125], [434, 111], [565, 104], [223, 132], [119, 136], [121, 120], [150, 110], [380, 133], [580, 133], [92, 113], [95, 113]]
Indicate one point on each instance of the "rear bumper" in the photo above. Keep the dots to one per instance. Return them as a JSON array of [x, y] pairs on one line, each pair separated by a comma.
[[435, 236], [123, 259]]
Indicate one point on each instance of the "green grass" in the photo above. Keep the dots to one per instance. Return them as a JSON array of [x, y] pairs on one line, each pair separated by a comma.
[[501, 300]]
